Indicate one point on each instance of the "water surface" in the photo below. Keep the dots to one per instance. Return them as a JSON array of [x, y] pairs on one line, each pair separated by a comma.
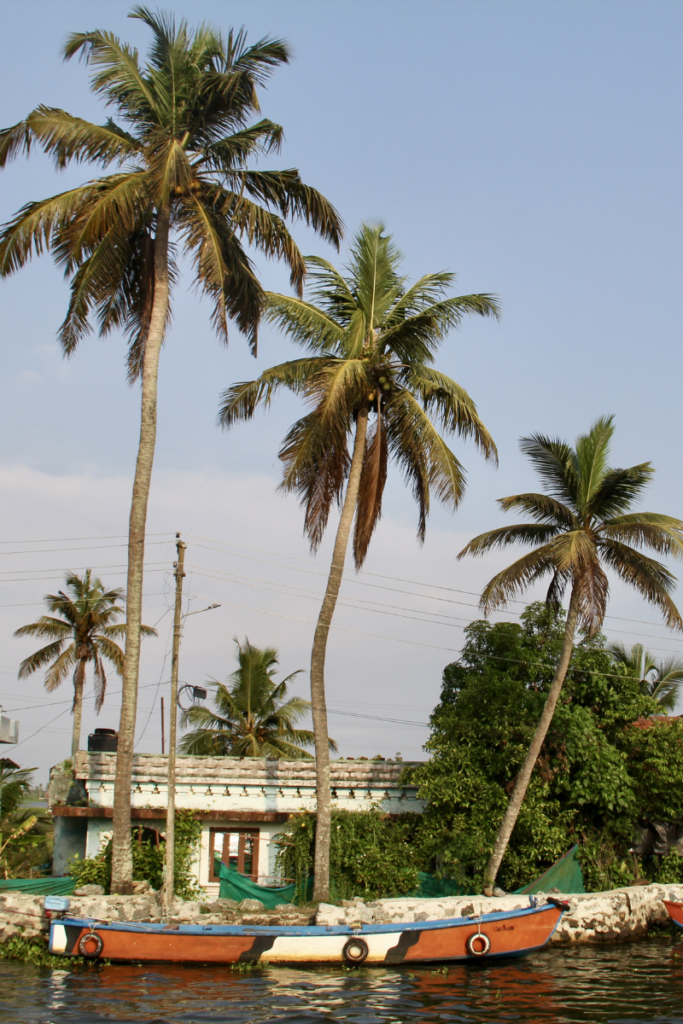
[[633, 983]]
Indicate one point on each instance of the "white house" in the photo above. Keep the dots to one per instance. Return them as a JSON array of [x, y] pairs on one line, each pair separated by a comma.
[[242, 803]]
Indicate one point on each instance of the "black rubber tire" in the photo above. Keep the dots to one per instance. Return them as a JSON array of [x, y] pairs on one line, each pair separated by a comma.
[[87, 939], [355, 951], [470, 945]]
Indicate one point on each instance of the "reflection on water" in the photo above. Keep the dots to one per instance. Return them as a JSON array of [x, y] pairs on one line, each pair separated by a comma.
[[617, 984]]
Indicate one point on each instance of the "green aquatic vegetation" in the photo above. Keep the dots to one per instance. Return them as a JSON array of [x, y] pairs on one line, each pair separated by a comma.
[[35, 951]]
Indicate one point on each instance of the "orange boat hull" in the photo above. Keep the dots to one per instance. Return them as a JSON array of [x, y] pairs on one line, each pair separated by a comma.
[[675, 912], [513, 933]]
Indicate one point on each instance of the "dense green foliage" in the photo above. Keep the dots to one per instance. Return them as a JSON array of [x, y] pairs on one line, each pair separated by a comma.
[[148, 859], [25, 832], [371, 854], [597, 776]]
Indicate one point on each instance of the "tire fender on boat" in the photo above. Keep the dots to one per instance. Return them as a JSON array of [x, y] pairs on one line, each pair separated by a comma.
[[478, 944], [355, 951], [87, 939]]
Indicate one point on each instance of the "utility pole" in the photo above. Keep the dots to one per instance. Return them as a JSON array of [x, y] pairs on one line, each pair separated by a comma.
[[163, 745], [169, 864]]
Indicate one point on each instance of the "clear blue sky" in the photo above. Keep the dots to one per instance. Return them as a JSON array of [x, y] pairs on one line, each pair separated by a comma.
[[532, 147]]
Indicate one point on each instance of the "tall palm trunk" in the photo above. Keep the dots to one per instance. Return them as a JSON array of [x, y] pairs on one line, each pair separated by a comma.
[[122, 860], [321, 880], [522, 781], [79, 680]]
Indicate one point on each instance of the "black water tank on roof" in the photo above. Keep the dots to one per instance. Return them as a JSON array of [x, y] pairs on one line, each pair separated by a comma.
[[103, 739]]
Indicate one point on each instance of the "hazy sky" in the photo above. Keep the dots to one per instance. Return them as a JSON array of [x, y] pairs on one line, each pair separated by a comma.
[[532, 147]]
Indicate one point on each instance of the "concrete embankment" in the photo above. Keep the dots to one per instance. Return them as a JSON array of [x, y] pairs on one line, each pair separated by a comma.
[[622, 915], [21, 914]]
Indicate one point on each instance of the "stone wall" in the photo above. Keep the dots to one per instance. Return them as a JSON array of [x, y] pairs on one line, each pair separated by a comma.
[[621, 915]]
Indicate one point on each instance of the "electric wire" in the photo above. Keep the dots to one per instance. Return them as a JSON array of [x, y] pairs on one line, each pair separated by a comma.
[[365, 572]]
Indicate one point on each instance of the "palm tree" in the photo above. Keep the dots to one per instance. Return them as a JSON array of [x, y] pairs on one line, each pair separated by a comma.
[[86, 633], [180, 151], [581, 526], [253, 717], [658, 679], [371, 340]]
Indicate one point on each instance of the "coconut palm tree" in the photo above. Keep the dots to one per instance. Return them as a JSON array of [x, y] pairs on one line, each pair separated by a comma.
[[254, 717], [84, 634], [180, 152], [659, 679], [581, 525], [371, 340]]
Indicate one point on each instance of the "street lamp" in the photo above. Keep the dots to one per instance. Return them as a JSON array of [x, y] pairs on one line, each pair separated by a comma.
[[167, 892]]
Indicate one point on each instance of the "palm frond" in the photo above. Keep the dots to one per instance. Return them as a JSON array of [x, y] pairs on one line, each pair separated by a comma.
[[618, 490], [660, 533], [426, 460], [240, 402], [60, 667], [452, 407], [592, 454], [555, 462], [517, 578], [416, 338], [649, 577], [304, 323], [41, 658], [372, 481], [316, 461], [46, 626], [504, 536], [542, 508]]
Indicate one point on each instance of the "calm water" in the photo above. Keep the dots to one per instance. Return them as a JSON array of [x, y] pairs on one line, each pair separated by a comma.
[[638, 983]]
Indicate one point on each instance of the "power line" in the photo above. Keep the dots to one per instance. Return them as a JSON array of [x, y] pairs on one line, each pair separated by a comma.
[[81, 568], [94, 547], [68, 540], [418, 616], [364, 572]]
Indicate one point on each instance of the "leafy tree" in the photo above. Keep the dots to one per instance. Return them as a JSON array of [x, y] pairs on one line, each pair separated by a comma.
[[254, 717], [661, 679], [372, 855], [370, 341], [25, 832], [85, 633], [594, 779], [180, 152], [582, 525]]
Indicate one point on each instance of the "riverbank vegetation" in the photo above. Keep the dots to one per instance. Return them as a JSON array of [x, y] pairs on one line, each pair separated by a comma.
[[605, 769], [26, 832], [148, 847]]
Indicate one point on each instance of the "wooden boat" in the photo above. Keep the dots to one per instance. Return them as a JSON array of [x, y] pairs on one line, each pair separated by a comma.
[[675, 912], [503, 934]]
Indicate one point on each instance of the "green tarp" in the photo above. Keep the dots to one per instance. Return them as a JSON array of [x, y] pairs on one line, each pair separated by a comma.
[[48, 886], [235, 886], [565, 876]]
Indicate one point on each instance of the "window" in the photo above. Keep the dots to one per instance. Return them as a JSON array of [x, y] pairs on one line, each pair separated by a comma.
[[237, 848]]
